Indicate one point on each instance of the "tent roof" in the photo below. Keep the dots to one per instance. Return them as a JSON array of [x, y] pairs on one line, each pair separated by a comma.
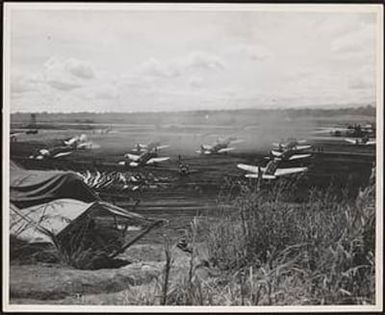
[[14, 166], [33, 187], [34, 224]]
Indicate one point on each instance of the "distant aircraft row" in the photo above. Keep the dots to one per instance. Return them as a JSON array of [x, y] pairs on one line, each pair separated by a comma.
[[147, 154], [356, 134]]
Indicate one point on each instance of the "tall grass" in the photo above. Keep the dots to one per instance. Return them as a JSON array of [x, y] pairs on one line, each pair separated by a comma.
[[317, 252], [264, 250]]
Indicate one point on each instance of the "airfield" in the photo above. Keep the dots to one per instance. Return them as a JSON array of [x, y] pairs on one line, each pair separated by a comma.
[[169, 195], [179, 198]]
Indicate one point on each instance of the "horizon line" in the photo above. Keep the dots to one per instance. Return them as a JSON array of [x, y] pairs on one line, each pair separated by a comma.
[[313, 107]]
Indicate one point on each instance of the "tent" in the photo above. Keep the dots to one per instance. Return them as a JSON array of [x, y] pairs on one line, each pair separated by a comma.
[[57, 218], [82, 233], [33, 187], [13, 166], [58, 208]]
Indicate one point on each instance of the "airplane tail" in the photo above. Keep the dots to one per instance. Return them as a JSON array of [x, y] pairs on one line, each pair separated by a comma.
[[83, 137]]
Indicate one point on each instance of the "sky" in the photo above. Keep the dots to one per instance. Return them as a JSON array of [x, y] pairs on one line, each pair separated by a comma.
[[163, 60]]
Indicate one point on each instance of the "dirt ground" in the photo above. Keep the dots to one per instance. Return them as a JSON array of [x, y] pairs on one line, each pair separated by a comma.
[[180, 199]]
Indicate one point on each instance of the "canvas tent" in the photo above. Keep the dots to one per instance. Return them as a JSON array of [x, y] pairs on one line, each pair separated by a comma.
[[13, 166], [87, 235], [58, 217], [33, 187], [58, 208]]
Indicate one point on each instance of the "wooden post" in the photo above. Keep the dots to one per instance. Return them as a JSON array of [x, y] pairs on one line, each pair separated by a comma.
[[138, 237]]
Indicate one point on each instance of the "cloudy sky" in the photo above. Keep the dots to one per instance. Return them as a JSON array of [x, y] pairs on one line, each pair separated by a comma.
[[142, 60]]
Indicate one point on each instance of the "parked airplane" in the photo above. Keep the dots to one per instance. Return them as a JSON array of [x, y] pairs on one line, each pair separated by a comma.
[[361, 141], [289, 148], [146, 158], [288, 155], [152, 146], [292, 143], [219, 147], [271, 171], [351, 130], [80, 142], [53, 153], [31, 132], [15, 134]]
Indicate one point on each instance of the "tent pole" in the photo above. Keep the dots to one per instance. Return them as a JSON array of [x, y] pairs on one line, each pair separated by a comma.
[[128, 244]]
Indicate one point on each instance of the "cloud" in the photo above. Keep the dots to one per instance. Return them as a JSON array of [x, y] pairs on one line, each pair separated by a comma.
[[361, 84], [253, 52], [21, 85], [153, 67], [202, 60], [24, 82], [107, 92], [67, 74], [360, 41], [79, 68], [191, 63], [62, 85], [196, 82]]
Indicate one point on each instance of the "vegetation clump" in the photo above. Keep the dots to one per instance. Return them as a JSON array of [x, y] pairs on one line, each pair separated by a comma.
[[320, 251]]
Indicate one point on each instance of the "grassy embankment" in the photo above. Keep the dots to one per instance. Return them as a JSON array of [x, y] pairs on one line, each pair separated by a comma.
[[268, 251]]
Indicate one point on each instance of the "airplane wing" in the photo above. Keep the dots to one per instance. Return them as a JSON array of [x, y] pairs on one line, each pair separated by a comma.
[[70, 141], [163, 146], [237, 141], [264, 176], [157, 160], [57, 155], [250, 168], [224, 150], [16, 134], [302, 147], [132, 157], [334, 128], [207, 146], [88, 145], [207, 152], [287, 171], [251, 175], [276, 153], [299, 156], [352, 141], [320, 131]]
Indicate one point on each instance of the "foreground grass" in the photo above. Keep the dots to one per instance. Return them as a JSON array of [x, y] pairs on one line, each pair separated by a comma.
[[317, 252], [264, 250], [272, 252]]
